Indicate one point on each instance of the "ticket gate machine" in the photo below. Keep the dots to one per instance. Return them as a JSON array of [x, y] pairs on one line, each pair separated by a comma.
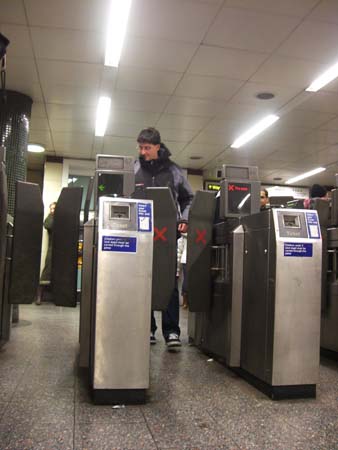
[[122, 260], [262, 316], [280, 339], [20, 247], [121, 323], [215, 266], [329, 325], [327, 211]]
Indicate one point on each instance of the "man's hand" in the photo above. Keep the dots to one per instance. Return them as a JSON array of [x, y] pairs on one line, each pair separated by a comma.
[[182, 227]]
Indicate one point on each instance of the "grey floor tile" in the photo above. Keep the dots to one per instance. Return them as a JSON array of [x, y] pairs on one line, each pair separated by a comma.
[[174, 426], [41, 410], [319, 421], [39, 436], [7, 389], [251, 431], [193, 403], [5, 434], [229, 446], [113, 436], [91, 414]]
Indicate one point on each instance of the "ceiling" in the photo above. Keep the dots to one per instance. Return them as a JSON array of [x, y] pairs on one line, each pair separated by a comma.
[[192, 68]]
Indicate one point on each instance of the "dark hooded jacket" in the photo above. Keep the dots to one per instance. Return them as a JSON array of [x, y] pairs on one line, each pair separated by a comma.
[[162, 172]]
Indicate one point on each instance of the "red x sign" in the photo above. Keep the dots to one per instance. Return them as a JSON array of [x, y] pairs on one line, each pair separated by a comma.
[[159, 234], [200, 236], [231, 187]]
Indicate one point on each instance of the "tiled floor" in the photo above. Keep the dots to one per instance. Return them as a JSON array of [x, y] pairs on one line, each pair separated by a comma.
[[193, 403]]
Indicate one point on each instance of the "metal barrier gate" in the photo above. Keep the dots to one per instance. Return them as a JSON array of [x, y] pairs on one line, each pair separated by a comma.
[[65, 247]]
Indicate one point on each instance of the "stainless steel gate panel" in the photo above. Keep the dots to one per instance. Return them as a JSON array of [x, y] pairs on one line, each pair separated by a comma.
[[233, 350], [201, 219], [26, 246], [65, 238], [297, 302], [123, 295], [281, 297], [86, 293]]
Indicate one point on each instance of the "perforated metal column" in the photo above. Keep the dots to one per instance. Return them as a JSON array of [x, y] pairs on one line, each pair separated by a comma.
[[15, 112]]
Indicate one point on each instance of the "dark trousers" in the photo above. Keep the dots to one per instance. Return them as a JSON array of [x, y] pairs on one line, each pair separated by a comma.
[[170, 317]]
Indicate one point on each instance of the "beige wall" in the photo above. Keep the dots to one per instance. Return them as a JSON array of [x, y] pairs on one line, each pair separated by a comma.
[[196, 182]]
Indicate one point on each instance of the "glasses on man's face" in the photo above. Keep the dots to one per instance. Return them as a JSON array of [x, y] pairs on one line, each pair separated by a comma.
[[263, 196], [145, 148]]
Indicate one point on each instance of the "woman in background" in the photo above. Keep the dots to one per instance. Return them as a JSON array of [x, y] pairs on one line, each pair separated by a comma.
[[47, 270]]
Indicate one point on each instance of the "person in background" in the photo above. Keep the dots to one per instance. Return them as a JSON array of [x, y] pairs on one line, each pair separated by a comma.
[[47, 270], [154, 168], [264, 200], [182, 263], [316, 191]]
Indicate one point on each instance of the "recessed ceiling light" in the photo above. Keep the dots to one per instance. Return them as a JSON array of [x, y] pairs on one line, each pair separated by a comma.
[[265, 95], [196, 157], [278, 178], [36, 148]]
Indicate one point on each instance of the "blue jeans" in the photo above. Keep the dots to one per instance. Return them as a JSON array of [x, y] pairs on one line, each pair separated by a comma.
[[170, 317]]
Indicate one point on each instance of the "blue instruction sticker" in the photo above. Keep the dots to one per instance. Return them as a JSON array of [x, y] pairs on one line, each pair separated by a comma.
[[312, 225], [144, 217], [119, 244], [299, 249]]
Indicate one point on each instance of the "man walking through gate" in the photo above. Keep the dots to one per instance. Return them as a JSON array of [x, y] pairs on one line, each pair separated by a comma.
[[155, 169]]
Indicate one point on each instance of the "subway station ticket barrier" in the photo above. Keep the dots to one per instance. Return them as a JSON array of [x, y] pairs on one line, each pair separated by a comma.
[[65, 239], [262, 318], [329, 325], [129, 265], [328, 218], [20, 248]]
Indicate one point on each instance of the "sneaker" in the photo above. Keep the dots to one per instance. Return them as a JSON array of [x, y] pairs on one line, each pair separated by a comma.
[[173, 341], [152, 339]]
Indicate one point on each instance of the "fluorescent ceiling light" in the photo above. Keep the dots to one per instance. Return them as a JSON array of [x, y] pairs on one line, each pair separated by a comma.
[[117, 25], [255, 130], [305, 175], [330, 74], [36, 148], [102, 115]]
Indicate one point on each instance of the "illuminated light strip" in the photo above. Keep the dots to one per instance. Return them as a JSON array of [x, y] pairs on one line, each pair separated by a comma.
[[117, 26], [330, 74], [255, 130], [102, 116], [305, 175]]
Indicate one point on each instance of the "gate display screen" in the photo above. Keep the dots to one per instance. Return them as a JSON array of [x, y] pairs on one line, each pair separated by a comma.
[[239, 198], [291, 221], [110, 185]]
